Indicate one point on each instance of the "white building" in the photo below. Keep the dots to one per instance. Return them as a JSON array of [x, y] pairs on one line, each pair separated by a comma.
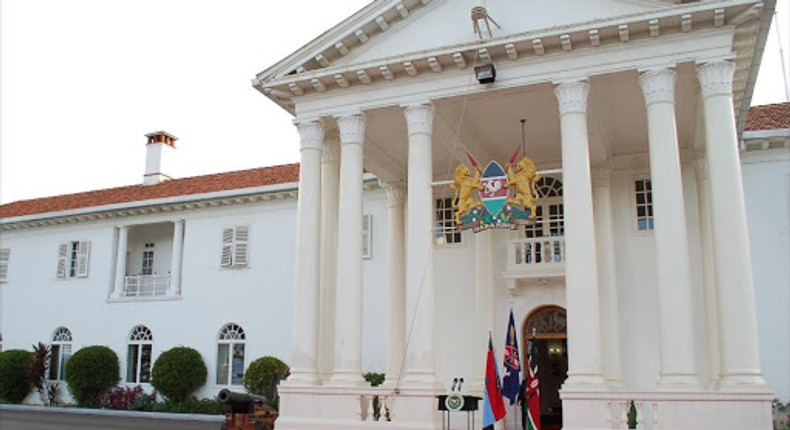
[[634, 112]]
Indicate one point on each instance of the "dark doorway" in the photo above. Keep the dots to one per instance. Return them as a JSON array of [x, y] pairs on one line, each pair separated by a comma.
[[547, 327]]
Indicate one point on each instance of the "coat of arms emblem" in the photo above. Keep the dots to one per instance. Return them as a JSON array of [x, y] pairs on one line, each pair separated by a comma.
[[495, 197]]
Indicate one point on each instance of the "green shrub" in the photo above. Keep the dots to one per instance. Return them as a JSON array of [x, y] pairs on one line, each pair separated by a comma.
[[263, 375], [14, 381], [90, 372], [375, 379], [191, 405], [178, 372]]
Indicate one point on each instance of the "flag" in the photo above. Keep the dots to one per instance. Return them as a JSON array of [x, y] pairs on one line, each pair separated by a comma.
[[493, 406], [533, 389], [512, 363]]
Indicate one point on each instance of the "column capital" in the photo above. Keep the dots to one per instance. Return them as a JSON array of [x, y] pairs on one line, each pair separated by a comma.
[[701, 167], [658, 86], [419, 118], [352, 128], [311, 133], [396, 194], [572, 96], [331, 146], [716, 78]]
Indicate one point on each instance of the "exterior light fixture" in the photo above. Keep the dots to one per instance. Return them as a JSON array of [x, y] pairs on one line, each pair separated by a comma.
[[485, 74]]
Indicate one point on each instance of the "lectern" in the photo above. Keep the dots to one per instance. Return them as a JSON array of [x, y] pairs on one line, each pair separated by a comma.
[[458, 403]]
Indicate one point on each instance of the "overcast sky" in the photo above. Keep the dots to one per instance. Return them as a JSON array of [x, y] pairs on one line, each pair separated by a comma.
[[84, 80]]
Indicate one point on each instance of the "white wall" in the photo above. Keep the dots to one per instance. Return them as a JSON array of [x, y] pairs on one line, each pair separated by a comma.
[[766, 181]]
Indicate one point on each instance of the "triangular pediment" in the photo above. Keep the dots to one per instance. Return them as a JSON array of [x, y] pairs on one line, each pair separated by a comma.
[[392, 28]]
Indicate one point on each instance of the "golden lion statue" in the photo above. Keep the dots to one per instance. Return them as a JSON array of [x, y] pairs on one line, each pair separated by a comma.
[[464, 186], [524, 179]]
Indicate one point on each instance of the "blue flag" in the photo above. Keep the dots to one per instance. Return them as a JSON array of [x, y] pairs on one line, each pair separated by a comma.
[[511, 382]]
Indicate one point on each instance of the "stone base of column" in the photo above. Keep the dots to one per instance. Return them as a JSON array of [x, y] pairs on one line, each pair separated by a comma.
[[348, 379], [747, 381], [422, 381], [679, 381], [302, 378], [584, 382]]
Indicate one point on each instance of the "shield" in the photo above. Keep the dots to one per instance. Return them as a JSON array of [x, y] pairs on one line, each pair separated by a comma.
[[494, 194]]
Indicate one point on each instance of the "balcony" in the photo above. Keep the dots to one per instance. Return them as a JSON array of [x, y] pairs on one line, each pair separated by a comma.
[[146, 286], [536, 257]]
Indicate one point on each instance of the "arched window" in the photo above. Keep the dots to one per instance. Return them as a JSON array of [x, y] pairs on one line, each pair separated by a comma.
[[138, 357], [549, 187], [230, 355], [60, 353]]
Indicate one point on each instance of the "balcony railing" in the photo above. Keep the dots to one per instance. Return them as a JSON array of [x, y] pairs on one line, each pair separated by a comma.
[[538, 255], [146, 285]]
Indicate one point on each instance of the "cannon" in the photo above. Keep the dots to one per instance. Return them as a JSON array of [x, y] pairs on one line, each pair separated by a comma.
[[246, 411]]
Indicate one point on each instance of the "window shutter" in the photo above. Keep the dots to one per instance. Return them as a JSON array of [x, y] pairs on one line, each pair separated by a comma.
[[5, 255], [63, 253], [83, 258], [367, 242], [240, 250], [227, 247]]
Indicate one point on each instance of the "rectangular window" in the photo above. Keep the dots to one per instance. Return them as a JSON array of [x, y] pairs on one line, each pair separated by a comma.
[[643, 193], [73, 258], [138, 363], [237, 367], [445, 231], [148, 259], [5, 256], [59, 356], [235, 245], [223, 353]]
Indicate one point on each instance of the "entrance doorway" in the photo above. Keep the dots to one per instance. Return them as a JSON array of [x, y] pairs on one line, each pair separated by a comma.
[[547, 328]]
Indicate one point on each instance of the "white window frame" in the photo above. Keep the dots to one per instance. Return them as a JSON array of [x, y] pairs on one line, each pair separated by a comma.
[[73, 259], [5, 257], [231, 335], [147, 264], [445, 233], [62, 343], [648, 205], [139, 338], [235, 247]]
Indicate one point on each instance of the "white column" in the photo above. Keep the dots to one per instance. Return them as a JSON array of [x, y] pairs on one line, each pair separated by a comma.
[[348, 305], [607, 275], [178, 256], [120, 262], [396, 283], [304, 335], [708, 274], [740, 361], [420, 369], [672, 255], [581, 272], [484, 303], [330, 180]]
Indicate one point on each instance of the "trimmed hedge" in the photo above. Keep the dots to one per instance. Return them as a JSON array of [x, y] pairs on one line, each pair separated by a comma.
[[179, 372], [14, 382], [262, 376], [90, 372]]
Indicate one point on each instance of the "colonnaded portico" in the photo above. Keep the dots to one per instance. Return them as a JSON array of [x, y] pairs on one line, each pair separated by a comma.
[[642, 143]]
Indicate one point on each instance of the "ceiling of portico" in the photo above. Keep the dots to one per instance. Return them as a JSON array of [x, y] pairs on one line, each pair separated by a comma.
[[488, 125]]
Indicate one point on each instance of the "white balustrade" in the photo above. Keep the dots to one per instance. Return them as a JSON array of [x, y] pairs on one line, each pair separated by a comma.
[[536, 254], [146, 285]]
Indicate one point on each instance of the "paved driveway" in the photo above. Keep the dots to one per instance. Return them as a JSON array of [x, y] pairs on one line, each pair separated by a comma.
[[41, 418]]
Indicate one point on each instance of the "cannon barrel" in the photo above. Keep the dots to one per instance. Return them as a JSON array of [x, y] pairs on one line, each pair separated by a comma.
[[240, 403]]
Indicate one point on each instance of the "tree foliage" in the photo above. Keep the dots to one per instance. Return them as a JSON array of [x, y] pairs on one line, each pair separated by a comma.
[[90, 372], [179, 372], [14, 381]]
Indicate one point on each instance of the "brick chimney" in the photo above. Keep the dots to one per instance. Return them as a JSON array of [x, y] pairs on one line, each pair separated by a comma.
[[159, 157]]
